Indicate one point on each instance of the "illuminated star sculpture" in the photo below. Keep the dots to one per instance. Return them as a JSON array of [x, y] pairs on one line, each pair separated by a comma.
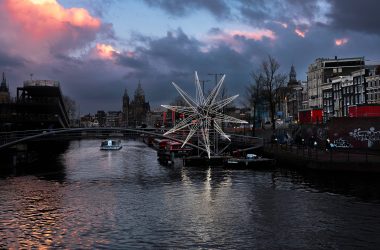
[[202, 113]]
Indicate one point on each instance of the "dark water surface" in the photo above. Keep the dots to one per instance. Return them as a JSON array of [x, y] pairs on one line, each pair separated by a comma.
[[125, 199]]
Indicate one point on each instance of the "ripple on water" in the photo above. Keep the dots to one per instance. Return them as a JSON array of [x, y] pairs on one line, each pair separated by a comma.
[[124, 199]]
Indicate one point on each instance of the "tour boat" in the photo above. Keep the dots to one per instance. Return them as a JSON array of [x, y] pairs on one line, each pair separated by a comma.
[[111, 145]]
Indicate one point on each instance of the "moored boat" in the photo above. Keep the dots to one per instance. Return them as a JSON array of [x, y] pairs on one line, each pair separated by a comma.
[[111, 145], [250, 161], [171, 150]]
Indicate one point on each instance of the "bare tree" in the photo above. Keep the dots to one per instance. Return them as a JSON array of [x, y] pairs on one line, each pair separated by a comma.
[[254, 95], [71, 107], [272, 83]]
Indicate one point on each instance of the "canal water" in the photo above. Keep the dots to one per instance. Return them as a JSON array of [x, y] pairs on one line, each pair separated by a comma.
[[125, 199]]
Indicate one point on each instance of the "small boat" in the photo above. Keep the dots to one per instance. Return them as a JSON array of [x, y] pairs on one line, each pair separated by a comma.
[[111, 145], [250, 161]]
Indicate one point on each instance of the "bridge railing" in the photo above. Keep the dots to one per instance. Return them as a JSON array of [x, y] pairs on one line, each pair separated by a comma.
[[6, 137], [10, 138]]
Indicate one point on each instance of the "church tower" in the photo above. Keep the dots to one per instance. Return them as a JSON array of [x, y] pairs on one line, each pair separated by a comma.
[[292, 77], [138, 108], [139, 95], [125, 107], [4, 91]]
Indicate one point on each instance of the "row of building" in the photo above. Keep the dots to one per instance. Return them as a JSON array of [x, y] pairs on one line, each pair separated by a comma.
[[335, 87], [135, 113]]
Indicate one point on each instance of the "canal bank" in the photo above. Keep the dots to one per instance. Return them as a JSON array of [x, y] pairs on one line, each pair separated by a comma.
[[331, 160], [28, 156]]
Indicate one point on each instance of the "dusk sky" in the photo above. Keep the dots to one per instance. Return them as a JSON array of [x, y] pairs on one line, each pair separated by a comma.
[[99, 48]]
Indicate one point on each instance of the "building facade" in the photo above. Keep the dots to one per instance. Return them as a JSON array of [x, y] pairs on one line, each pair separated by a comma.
[[372, 93], [322, 70], [135, 111]]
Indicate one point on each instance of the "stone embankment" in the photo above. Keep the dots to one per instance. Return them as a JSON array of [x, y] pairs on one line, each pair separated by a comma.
[[314, 158]]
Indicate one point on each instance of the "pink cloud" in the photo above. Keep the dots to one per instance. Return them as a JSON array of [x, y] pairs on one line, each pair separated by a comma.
[[45, 18], [300, 33], [256, 35], [105, 51], [36, 28], [232, 37], [341, 41]]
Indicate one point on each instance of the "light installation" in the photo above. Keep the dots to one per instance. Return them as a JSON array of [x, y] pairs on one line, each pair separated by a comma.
[[203, 114]]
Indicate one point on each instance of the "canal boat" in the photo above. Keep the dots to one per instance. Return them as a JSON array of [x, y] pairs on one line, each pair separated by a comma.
[[250, 161], [160, 144], [111, 145], [171, 150]]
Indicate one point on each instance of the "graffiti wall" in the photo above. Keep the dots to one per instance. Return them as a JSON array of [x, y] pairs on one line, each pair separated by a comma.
[[359, 132]]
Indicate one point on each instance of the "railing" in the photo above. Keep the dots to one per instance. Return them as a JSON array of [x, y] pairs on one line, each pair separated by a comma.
[[49, 83]]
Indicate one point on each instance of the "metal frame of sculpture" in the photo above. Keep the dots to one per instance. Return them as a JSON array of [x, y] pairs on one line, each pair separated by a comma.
[[203, 113]]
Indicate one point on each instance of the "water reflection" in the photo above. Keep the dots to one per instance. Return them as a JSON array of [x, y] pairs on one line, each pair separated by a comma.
[[30, 213], [361, 186], [125, 199]]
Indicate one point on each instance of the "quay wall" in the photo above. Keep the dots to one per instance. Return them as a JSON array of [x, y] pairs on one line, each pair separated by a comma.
[[309, 158]]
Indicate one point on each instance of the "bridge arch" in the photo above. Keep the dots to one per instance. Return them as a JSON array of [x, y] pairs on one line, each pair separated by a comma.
[[47, 133]]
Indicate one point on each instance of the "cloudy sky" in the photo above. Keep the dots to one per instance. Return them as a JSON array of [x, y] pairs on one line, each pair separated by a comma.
[[99, 48]]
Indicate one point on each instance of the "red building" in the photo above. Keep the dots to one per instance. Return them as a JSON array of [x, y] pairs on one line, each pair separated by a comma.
[[310, 116], [366, 110]]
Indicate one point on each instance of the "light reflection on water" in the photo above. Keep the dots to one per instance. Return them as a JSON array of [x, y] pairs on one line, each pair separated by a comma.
[[123, 199]]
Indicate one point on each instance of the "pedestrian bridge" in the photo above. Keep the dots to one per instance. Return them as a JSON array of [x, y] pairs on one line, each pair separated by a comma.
[[9, 139]]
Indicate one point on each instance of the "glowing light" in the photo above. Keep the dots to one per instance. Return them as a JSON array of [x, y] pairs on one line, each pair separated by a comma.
[[341, 41], [202, 113], [105, 51], [300, 32]]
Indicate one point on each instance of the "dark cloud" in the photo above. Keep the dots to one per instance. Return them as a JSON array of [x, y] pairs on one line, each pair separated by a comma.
[[294, 12], [176, 56], [218, 8], [347, 15], [256, 12], [9, 61], [131, 62], [361, 16], [98, 84]]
